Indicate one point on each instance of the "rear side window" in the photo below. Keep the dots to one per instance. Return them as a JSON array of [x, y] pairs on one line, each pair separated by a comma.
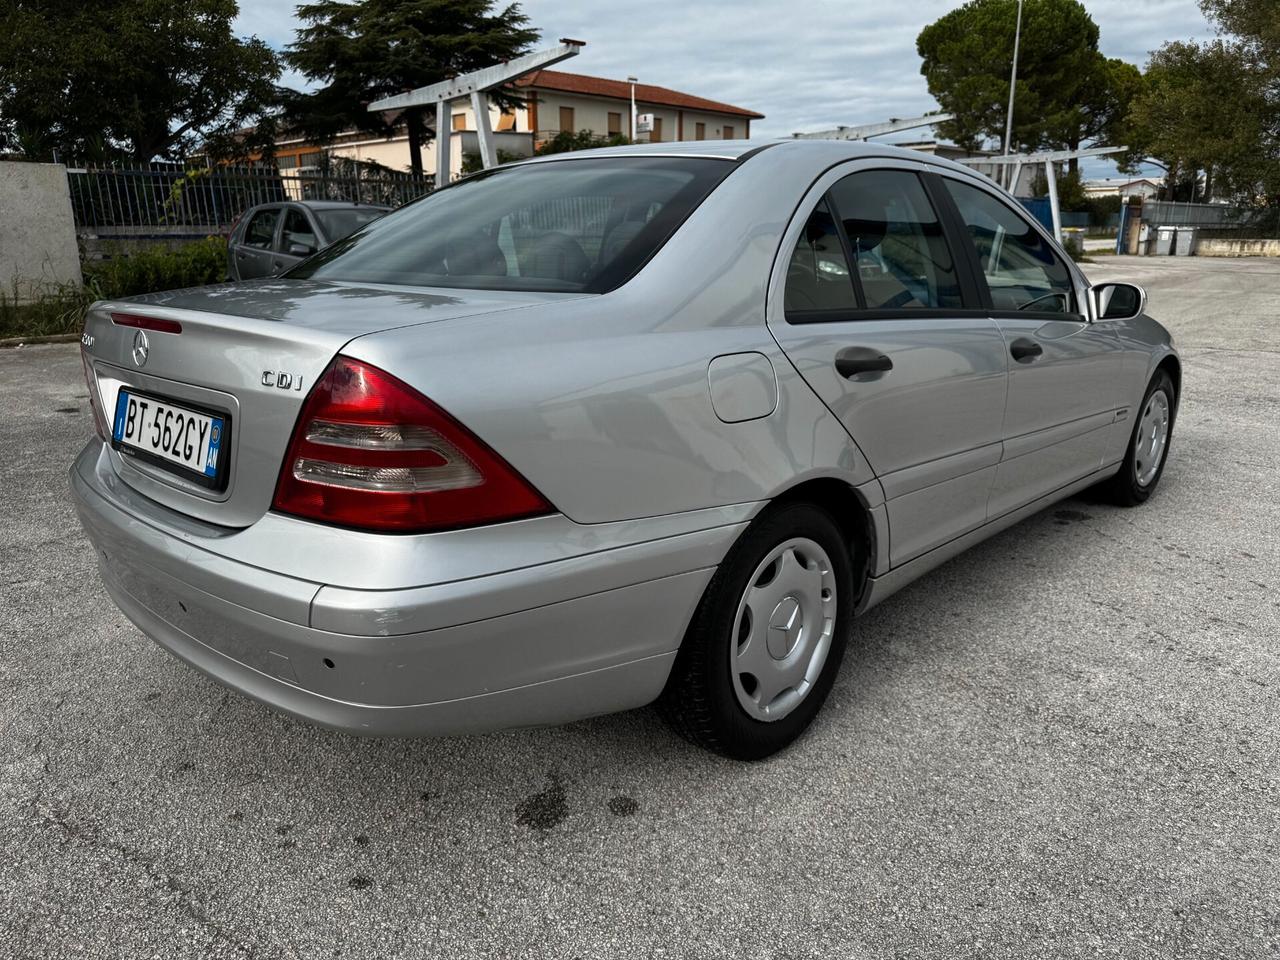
[[570, 226], [901, 255], [338, 223], [1022, 271], [818, 276], [262, 228]]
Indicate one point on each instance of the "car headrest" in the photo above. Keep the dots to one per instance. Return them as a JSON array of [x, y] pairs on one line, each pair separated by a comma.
[[865, 235]]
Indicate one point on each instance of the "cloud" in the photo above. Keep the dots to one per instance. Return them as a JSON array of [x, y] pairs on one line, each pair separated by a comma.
[[806, 65]]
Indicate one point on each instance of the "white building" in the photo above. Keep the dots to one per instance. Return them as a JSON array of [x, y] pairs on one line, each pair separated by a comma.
[[556, 102], [1148, 188]]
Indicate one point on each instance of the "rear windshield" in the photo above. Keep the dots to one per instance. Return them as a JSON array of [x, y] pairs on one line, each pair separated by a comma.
[[340, 223], [569, 226]]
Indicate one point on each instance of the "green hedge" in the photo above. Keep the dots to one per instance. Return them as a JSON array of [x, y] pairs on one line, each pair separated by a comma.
[[60, 307], [191, 265]]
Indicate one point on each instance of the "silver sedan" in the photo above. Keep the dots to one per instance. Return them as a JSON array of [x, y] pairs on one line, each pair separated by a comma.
[[579, 434]]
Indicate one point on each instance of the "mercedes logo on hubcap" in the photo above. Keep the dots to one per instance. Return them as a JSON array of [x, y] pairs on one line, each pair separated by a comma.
[[141, 347], [784, 627]]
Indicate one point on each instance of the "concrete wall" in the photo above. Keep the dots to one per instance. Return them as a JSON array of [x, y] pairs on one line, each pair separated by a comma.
[[37, 232], [1237, 248]]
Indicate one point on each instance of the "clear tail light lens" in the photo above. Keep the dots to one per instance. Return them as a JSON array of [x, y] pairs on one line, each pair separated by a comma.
[[99, 421], [372, 453]]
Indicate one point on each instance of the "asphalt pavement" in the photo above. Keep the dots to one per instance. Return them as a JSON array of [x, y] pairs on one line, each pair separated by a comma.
[[1063, 743]]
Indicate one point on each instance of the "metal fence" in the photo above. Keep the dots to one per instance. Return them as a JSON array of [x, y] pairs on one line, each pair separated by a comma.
[[167, 199], [1174, 214]]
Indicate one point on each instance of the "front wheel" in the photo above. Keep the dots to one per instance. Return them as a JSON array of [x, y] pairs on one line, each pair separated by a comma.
[[766, 641], [1148, 446]]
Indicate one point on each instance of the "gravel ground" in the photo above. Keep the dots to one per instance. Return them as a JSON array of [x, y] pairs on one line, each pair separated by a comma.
[[1062, 744]]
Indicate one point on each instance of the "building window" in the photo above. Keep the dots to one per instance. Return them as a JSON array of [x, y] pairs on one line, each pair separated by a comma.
[[699, 131], [506, 121], [459, 121], [287, 163], [728, 133], [311, 159], [615, 124], [656, 135], [566, 119]]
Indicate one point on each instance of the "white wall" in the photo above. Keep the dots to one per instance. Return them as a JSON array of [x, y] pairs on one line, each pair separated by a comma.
[[37, 232]]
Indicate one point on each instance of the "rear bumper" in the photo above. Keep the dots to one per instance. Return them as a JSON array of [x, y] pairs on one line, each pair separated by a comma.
[[536, 645]]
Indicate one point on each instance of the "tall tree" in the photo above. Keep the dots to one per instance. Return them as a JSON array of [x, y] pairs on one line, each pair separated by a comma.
[[1207, 110], [363, 50], [1067, 92], [142, 78], [1256, 23]]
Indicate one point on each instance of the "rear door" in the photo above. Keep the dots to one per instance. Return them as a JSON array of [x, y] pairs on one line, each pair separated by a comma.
[[877, 315], [255, 253], [1064, 372]]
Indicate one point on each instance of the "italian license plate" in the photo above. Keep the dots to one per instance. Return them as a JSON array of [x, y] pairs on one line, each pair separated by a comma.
[[170, 435]]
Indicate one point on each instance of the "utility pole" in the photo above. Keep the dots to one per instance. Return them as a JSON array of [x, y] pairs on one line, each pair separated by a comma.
[[633, 81], [1013, 80]]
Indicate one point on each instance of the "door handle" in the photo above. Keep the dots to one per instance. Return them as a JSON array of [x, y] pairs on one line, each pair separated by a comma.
[[1024, 350], [852, 361]]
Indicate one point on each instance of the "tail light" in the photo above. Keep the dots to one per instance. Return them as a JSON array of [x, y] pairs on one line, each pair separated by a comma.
[[371, 452], [99, 421]]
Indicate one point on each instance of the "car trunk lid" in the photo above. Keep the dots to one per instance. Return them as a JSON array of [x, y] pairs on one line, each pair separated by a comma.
[[249, 354]]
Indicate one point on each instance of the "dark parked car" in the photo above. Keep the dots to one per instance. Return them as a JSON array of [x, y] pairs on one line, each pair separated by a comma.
[[272, 237]]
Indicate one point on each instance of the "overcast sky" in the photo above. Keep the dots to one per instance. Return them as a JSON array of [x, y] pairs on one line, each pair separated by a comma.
[[805, 65]]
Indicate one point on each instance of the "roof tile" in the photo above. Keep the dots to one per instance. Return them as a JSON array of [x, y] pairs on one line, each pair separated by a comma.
[[621, 90]]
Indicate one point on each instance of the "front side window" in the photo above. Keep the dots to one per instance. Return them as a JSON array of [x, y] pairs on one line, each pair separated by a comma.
[[297, 230], [262, 228], [1022, 271], [896, 238], [569, 226], [818, 275]]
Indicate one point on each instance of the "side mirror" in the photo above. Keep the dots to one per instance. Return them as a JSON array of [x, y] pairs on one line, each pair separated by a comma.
[[301, 249], [1117, 301]]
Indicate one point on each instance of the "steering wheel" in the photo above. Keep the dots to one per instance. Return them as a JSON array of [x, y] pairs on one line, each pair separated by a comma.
[[1048, 296]]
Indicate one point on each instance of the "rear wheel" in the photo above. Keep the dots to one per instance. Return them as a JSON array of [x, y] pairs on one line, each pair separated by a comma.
[[767, 638], [1148, 446]]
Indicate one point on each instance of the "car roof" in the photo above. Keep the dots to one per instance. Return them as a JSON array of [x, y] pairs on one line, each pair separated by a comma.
[[826, 151], [337, 205]]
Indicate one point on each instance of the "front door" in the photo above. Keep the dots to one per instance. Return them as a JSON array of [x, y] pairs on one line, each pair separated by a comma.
[[254, 253], [883, 323], [1064, 372], [297, 241]]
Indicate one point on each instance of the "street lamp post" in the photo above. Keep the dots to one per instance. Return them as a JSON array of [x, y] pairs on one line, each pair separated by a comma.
[[1013, 80], [633, 81]]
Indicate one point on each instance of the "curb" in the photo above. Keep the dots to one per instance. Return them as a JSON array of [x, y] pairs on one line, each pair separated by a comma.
[[36, 341]]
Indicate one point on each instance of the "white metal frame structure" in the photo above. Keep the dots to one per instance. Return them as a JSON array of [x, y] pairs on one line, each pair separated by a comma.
[[476, 84], [1015, 162], [868, 130]]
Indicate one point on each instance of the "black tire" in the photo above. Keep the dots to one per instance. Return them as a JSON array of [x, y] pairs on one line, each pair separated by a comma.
[[699, 701], [1123, 489]]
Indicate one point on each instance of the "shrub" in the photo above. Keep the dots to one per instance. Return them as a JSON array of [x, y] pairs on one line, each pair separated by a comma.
[[150, 270], [59, 308]]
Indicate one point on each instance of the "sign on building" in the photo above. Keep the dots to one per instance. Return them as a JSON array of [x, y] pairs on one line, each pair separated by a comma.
[[644, 123]]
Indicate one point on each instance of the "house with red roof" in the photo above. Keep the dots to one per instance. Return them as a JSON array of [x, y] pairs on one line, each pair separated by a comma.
[[555, 102]]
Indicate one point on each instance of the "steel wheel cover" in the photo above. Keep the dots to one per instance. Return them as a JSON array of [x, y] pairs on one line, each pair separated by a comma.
[[1152, 438], [783, 629]]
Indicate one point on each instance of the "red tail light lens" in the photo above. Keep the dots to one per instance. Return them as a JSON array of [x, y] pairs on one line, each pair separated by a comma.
[[372, 453]]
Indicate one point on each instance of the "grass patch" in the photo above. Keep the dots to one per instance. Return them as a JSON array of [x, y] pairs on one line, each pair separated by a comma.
[[56, 309], [60, 308]]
